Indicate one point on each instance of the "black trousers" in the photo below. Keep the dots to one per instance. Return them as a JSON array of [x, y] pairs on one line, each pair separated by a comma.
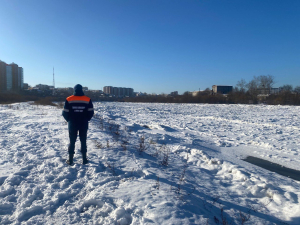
[[73, 136]]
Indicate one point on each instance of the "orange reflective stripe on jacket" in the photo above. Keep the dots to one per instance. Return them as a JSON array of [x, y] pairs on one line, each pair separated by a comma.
[[78, 99]]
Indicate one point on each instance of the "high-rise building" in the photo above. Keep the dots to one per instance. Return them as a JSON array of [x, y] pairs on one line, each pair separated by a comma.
[[108, 90], [20, 78], [118, 91], [121, 91], [15, 81], [2, 76], [11, 77]]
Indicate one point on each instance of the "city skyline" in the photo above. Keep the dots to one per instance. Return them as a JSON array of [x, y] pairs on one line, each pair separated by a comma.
[[153, 47], [12, 80]]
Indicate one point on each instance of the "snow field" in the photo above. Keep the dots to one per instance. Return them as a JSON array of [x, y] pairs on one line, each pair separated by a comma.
[[150, 164]]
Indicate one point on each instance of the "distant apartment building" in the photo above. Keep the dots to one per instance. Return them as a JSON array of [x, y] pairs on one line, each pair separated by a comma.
[[108, 90], [221, 89], [20, 78], [275, 90], [43, 87], [127, 92], [68, 89], [11, 77], [2, 76], [25, 86], [268, 91], [118, 91], [121, 92]]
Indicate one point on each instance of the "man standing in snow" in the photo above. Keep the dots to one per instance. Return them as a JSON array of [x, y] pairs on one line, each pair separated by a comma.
[[78, 111]]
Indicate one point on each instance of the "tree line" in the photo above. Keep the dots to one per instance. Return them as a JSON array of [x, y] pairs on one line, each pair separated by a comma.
[[258, 90], [261, 90]]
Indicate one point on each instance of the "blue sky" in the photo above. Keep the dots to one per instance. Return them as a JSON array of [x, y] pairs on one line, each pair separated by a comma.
[[152, 46]]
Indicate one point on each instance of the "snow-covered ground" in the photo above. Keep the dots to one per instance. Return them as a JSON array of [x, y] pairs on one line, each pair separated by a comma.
[[150, 164]]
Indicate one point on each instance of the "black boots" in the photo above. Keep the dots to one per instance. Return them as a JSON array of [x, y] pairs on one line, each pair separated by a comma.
[[70, 160], [84, 159]]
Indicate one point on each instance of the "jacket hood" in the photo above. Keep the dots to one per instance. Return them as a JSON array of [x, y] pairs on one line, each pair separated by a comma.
[[78, 90]]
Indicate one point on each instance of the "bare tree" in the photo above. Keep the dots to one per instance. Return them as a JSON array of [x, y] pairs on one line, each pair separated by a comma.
[[242, 85], [287, 88], [253, 86], [262, 81], [266, 81], [297, 89]]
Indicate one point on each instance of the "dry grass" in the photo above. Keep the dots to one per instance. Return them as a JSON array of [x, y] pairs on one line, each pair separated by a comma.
[[14, 98], [45, 101]]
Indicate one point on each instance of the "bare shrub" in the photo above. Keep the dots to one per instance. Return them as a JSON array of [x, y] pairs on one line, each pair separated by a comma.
[[156, 186], [45, 101], [244, 217], [224, 218], [114, 130], [99, 145], [7, 98], [101, 121], [142, 146], [124, 144], [112, 168], [166, 152], [181, 180]]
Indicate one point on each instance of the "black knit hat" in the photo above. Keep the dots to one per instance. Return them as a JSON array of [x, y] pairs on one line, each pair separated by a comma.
[[78, 90]]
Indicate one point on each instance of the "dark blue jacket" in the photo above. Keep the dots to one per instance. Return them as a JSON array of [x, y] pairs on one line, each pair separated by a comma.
[[78, 110]]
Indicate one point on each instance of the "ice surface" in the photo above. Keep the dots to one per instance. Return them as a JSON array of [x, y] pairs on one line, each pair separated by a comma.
[[150, 164]]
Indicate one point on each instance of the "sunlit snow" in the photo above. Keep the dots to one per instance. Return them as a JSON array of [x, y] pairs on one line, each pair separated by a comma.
[[150, 164]]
